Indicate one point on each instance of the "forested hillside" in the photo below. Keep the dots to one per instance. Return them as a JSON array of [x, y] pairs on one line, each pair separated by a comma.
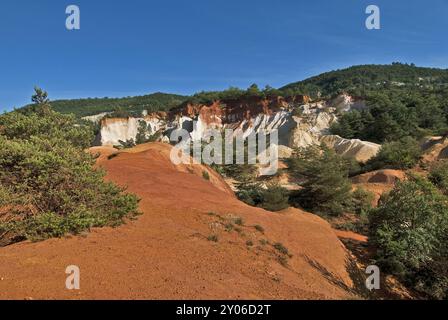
[[358, 80], [92, 106]]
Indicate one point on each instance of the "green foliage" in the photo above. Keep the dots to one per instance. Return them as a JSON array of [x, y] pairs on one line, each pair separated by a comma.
[[40, 97], [206, 175], [213, 238], [438, 175], [207, 97], [402, 154], [410, 229], [358, 79], [274, 198], [241, 172], [131, 105], [402, 100], [362, 201], [142, 132], [387, 118], [239, 221], [350, 125], [326, 188], [128, 144], [281, 248], [250, 193], [41, 121], [47, 179]]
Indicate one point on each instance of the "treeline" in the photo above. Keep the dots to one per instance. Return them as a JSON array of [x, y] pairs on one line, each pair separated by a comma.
[[358, 79], [207, 97], [397, 113], [133, 105]]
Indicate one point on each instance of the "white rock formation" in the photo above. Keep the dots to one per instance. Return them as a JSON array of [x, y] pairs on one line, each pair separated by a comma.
[[115, 130], [344, 103], [307, 125], [96, 118], [362, 151]]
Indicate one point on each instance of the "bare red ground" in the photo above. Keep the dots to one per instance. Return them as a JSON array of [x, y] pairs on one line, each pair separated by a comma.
[[349, 235], [165, 254]]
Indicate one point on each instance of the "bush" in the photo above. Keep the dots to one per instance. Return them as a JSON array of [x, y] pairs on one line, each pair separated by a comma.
[[438, 175], [213, 238], [275, 198], [362, 201], [281, 248], [402, 154], [250, 193], [206, 175], [410, 229], [128, 144], [325, 185], [48, 182]]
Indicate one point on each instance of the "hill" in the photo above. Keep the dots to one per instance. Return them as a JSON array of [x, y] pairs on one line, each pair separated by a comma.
[[358, 79], [195, 240]]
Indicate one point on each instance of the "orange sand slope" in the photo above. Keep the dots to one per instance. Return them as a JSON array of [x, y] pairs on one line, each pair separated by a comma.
[[165, 253]]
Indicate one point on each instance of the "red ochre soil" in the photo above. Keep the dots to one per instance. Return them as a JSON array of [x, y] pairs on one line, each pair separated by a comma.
[[165, 253]]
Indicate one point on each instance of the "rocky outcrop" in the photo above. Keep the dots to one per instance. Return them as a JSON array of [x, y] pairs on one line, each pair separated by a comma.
[[299, 122], [96, 118], [362, 151], [114, 130], [244, 116], [386, 176], [435, 148], [344, 103]]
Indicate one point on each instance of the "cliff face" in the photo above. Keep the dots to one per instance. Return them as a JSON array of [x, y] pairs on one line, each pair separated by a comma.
[[114, 130], [362, 151], [299, 122]]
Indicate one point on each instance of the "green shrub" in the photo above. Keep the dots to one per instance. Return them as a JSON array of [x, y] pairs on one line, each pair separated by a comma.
[[362, 201], [402, 154], [206, 175], [213, 238], [128, 144], [438, 175], [281, 248], [410, 230], [49, 179], [250, 193], [238, 221], [274, 198], [326, 188]]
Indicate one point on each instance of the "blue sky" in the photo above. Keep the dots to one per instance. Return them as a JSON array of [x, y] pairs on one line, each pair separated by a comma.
[[140, 46]]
